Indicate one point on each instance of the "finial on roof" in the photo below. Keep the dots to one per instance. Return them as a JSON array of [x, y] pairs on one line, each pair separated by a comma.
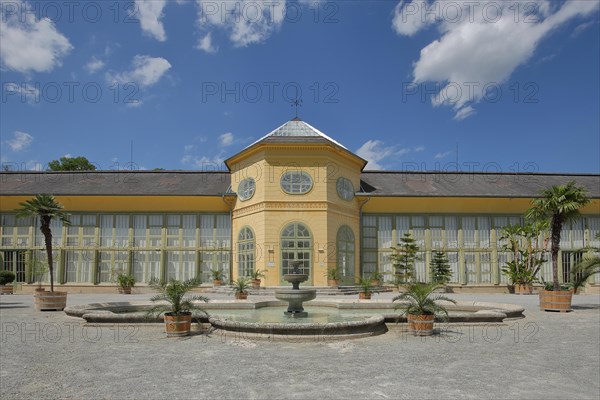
[[296, 119], [296, 103]]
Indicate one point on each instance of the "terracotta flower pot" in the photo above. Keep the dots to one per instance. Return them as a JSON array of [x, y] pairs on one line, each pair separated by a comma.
[[420, 325], [256, 283], [376, 282], [217, 282], [125, 290], [178, 325], [332, 282], [241, 296], [364, 296], [523, 288]]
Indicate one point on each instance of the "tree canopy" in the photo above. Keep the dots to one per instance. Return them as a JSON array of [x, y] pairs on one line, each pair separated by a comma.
[[71, 164]]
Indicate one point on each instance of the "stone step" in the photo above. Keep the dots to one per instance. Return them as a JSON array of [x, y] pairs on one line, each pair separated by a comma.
[[321, 290]]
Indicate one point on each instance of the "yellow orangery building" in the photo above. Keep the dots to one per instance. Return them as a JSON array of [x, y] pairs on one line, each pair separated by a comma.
[[295, 194]]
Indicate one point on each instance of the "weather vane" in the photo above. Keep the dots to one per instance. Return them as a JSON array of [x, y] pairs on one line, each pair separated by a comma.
[[296, 103]]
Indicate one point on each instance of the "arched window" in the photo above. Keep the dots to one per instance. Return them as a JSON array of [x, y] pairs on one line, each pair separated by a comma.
[[246, 252], [345, 254], [296, 245]]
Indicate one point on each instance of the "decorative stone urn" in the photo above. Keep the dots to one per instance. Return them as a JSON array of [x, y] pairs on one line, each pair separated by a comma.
[[295, 296]]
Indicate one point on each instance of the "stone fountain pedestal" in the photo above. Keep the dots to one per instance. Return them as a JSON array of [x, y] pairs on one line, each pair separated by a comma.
[[295, 296]]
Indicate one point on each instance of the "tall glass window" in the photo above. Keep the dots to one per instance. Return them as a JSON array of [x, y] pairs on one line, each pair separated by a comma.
[[345, 254], [246, 252], [296, 245]]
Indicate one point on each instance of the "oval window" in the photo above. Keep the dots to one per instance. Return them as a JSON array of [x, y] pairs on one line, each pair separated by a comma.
[[296, 182], [246, 189], [345, 189]]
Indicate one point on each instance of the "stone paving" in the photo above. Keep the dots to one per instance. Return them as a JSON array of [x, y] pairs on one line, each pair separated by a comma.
[[542, 356]]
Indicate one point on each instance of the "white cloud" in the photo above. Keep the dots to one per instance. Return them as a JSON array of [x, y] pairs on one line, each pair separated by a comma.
[[150, 13], [94, 65], [30, 44], [481, 43], [445, 154], [205, 44], [375, 151], [419, 148], [463, 112], [146, 71], [20, 141], [190, 159], [26, 92], [226, 139], [246, 21]]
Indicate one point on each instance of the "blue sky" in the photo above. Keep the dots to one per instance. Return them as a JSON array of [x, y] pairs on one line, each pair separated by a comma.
[[513, 85]]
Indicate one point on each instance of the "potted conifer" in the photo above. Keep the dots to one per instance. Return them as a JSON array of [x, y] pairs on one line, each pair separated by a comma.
[[440, 270]]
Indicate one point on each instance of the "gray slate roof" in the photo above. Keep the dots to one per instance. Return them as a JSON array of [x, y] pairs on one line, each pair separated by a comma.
[[105, 183], [217, 183], [464, 184]]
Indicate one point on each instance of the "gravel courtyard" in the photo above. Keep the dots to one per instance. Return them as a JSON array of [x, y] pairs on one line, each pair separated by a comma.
[[542, 356]]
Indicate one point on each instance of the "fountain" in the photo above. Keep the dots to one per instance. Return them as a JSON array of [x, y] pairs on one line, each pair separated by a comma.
[[295, 296]]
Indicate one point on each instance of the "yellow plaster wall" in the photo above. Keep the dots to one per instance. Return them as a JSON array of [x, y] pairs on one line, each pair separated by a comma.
[[271, 209]]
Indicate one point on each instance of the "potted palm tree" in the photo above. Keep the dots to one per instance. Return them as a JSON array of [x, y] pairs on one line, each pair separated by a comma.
[[126, 282], [376, 278], [179, 305], [240, 288], [333, 277], [422, 308], [366, 286], [46, 208], [217, 276], [256, 275], [558, 204]]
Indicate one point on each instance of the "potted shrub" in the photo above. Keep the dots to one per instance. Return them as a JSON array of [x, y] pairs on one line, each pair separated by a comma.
[[240, 288], [6, 280], [333, 277], [558, 204], [126, 282], [366, 289], [46, 208], [256, 275], [528, 254], [217, 277], [376, 278], [179, 305], [422, 308]]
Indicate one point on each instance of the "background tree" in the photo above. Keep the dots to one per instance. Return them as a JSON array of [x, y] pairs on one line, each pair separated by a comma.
[[558, 204], [71, 164], [440, 268], [404, 257], [46, 208]]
